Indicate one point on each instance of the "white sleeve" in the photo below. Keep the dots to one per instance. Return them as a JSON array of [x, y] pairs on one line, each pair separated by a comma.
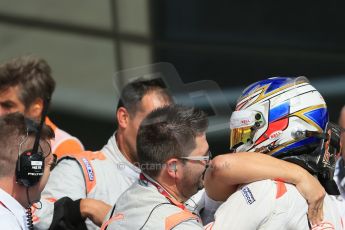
[[248, 208], [211, 206], [65, 180], [196, 202]]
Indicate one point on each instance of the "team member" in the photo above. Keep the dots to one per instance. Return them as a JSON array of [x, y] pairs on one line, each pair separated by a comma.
[[113, 168], [24, 83], [101, 175], [285, 118], [339, 174], [173, 154], [23, 173]]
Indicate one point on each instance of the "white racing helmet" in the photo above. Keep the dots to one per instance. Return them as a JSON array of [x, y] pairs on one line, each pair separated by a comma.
[[283, 117]]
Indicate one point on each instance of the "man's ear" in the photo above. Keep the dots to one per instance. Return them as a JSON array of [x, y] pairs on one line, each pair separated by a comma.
[[122, 116], [35, 109], [172, 167]]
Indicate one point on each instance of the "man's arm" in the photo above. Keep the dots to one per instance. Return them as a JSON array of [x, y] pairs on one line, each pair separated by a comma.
[[95, 210], [66, 180], [226, 172]]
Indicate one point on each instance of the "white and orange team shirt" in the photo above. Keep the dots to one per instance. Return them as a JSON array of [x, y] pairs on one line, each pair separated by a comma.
[[142, 206], [103, 175], [272, 205], [12, 213], [64, 143]]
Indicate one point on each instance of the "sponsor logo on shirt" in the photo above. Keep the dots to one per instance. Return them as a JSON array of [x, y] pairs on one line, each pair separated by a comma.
[[248, 196], [88, 169]]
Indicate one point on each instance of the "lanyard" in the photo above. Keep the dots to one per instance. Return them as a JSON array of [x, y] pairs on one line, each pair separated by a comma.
[[162, 191]]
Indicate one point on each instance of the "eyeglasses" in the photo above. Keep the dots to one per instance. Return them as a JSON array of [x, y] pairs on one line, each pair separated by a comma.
[[206, 158]]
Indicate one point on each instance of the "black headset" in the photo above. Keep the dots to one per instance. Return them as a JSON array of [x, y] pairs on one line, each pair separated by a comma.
[[30, 163]]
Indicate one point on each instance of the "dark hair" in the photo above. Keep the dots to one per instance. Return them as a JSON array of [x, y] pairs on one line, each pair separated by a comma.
[[133, 92], [31, 74], [168, 132], [13, 127]]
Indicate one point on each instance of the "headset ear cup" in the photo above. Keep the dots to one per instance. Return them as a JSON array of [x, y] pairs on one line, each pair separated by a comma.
[[29, 169]]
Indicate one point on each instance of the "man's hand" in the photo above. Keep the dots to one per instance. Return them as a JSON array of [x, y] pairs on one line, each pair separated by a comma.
[[95, 210], [311, 189]]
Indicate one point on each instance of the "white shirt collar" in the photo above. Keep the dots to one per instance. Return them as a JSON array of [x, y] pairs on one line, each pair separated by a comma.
[[112, 151], [14, 207]]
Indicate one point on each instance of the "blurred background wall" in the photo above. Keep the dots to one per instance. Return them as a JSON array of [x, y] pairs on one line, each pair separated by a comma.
[[233, 43]]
